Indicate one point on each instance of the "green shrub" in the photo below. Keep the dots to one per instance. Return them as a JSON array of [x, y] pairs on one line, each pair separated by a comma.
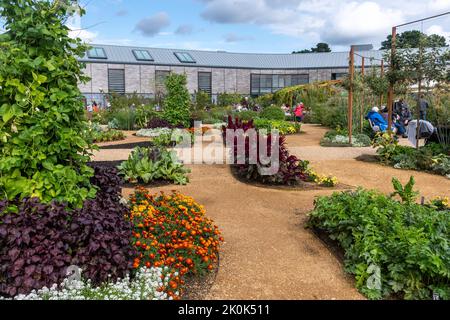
[[284, 127], [228, 99], [431, 157], [202, 100], [125, 119], [144, 114], [172, 138], [273, 113], [339, 137], [107, 136], [149, 164], [126, 101], [177, 101], [43, 152], [392, 248], [246, 115]]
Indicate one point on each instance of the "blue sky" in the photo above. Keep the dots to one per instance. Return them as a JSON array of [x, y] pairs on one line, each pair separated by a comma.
[[270, 26]]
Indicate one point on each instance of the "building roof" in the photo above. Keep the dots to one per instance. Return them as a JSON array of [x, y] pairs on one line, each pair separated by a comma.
[[221, 59]]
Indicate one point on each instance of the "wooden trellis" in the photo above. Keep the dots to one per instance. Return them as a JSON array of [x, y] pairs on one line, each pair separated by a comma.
[[351, 90]]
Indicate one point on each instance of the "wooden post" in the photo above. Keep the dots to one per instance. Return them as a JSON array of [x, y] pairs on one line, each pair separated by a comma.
[[391, 87], [382, 75], [362, 98], [419, 93], [350, 95]]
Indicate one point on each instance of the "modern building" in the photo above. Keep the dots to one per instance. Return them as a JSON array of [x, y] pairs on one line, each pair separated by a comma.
[[127, 70]]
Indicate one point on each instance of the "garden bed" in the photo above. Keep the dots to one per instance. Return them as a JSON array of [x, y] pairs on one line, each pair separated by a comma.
[[300, 186], [198, 287], [126, 146]]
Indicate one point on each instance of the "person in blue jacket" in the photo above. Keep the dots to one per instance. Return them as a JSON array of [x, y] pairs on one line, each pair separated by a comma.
[[377, 119]]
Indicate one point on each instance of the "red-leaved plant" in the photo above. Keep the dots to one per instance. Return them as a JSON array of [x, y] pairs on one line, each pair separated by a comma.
[[291, 170]]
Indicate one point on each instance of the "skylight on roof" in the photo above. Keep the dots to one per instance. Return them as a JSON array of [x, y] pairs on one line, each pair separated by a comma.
[[184, 57], [142, 55], [97, 53]]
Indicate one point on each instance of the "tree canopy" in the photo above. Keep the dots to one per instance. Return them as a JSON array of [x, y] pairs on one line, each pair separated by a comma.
[[412, 39], [320, 47]]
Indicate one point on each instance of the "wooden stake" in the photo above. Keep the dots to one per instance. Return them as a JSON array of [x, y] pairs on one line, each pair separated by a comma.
[[350, 95], [382, 75], [391, 96], [362, 98]]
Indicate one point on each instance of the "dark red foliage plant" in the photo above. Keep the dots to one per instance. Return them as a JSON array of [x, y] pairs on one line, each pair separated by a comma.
[[161, 123], [38, 242], [246, 142]]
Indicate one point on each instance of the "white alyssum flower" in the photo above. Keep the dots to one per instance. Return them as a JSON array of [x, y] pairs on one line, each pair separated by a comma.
[[151, 133], [144, 286]]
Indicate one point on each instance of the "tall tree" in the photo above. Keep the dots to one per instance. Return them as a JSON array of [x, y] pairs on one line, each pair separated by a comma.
[[320, 47], [412, 39]]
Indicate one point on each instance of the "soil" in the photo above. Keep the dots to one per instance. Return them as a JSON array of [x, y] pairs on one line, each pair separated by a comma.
[[268, 253]]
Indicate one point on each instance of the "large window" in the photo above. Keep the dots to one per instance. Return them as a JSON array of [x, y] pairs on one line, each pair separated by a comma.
[[204, 82], [97, 53], [184, 57], [338, 75], [116, 81], [142, 55], [160, 81], [269, 83]]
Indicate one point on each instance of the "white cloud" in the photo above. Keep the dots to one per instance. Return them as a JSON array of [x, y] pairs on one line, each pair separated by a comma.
[[436, 29], [77, 31], [339, 23], [357, 22], [153, 25]]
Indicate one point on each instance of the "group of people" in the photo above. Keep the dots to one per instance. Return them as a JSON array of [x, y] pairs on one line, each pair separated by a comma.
[[401, 117], [244, 105], [298, 111]]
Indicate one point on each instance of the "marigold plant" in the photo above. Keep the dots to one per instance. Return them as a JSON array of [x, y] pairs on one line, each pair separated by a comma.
[[173, 231]]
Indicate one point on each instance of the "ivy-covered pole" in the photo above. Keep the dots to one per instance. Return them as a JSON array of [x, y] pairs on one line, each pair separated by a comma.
[[44, 149]]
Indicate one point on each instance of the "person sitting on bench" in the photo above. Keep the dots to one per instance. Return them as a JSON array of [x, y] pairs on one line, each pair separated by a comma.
[[376, 120]]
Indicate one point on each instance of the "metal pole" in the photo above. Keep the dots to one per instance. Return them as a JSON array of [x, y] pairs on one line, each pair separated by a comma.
[[391, 87], [350, 95]]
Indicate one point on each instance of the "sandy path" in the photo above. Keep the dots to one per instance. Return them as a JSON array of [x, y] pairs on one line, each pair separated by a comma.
[[341, 162], [268, 253]]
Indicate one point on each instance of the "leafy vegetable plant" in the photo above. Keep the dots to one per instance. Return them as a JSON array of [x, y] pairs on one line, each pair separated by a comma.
[[394, 249], [149, 164]]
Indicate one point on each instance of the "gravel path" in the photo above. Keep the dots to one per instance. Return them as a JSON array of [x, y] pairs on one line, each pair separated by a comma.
[[268, 253]]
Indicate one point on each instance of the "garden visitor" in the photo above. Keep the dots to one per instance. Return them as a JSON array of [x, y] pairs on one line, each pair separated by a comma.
[[286, 110], [423, 107], [405, 115], [245, 103], [95, 107], [385, 113], [89, 110], [299, 112], [398, 105], [426, 130], [377, 120]]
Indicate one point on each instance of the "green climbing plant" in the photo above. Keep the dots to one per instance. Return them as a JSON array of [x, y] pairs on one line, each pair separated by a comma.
[[44, 151], [177, 102]]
